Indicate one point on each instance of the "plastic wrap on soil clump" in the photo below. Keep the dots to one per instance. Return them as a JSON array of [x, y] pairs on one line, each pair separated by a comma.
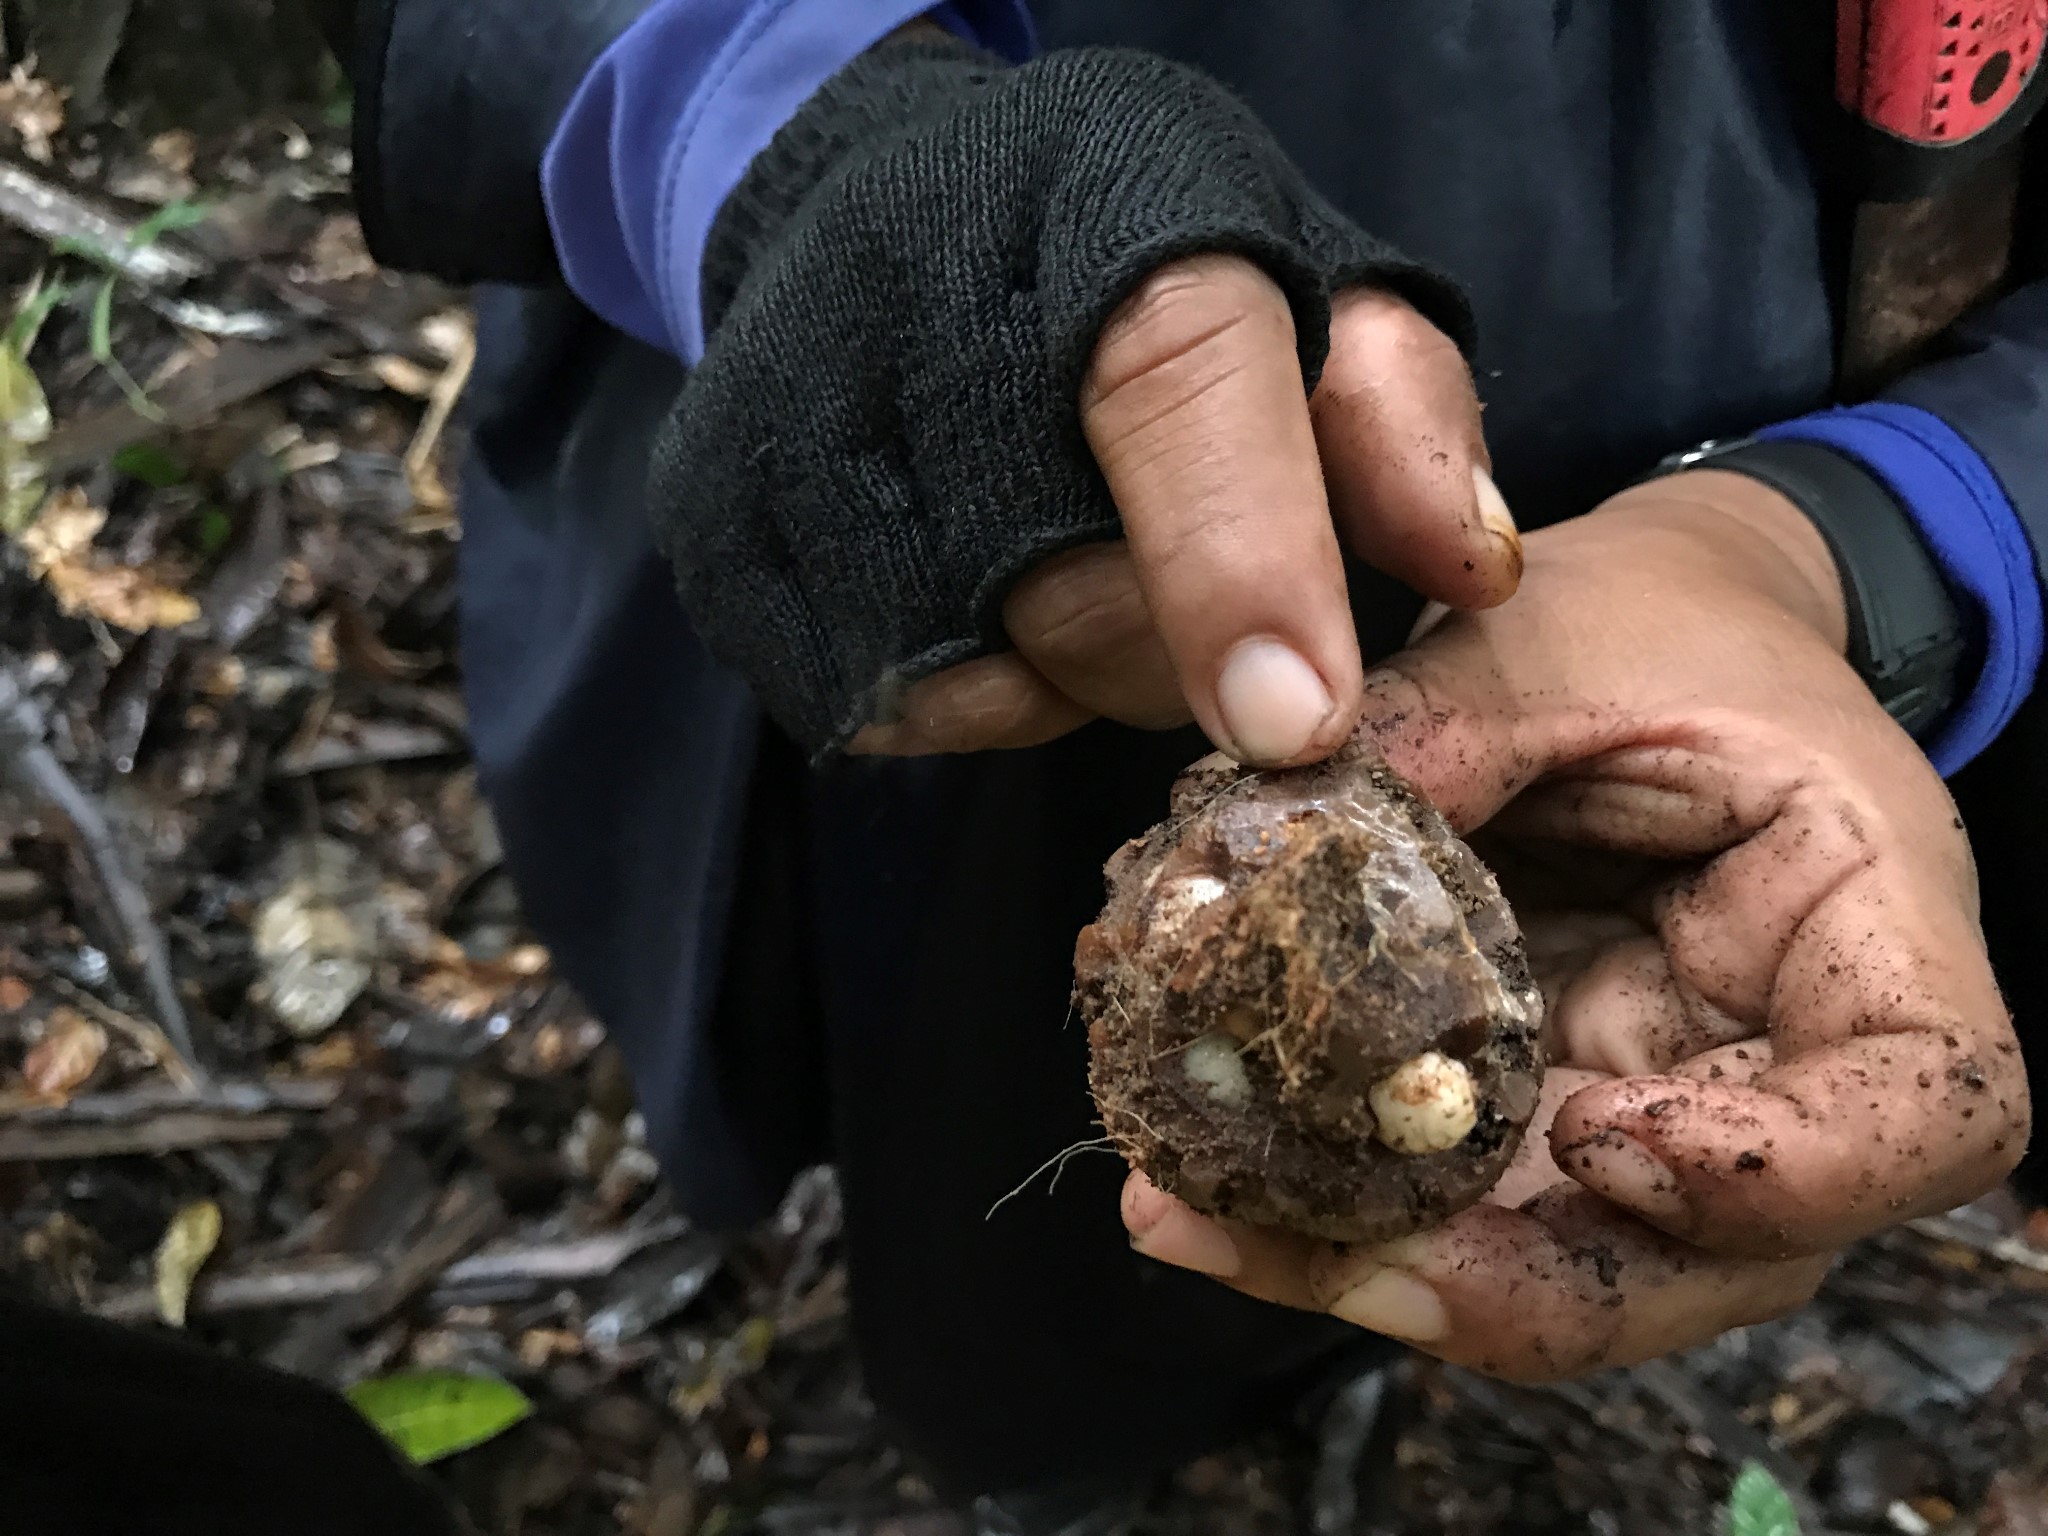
[[1308, 1004]]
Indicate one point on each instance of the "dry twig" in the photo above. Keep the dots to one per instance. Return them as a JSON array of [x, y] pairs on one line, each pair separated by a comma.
[[53, 213], [495, 1274], [154, 1120], [27, 760], [422, 476]]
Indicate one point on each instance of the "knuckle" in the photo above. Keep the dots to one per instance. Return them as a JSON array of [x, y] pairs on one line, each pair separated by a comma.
[[1380, 331], [1181, 325], [1211, 550], [1078, 606]]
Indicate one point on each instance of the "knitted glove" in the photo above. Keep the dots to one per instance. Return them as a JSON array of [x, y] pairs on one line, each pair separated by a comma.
[[901, 299]]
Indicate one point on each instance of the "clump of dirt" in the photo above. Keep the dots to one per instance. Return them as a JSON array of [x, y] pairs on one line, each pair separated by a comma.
[[1308, 1004]]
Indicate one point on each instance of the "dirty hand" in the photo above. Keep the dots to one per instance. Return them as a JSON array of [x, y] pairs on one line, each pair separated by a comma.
[[1748, 899], [1037, 394]]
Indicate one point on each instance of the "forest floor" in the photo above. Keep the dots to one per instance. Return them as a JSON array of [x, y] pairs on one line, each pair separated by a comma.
[[260, 960]]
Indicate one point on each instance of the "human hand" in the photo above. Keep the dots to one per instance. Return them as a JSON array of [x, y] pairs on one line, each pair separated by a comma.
[[1772, 1023], [1004, 417], [1225, 602]]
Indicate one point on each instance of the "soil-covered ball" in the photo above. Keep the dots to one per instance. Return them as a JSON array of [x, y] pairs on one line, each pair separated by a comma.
[[1308, 1004]]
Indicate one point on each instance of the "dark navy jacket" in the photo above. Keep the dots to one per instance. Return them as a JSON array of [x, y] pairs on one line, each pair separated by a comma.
[[1638, 196]]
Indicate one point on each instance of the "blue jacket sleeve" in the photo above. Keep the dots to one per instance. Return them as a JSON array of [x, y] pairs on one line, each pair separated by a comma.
[[675, 110], [454, 103], [1963, 443]]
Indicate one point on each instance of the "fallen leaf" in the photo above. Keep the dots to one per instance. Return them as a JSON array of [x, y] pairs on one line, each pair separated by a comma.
[[731, 1360], [1956, 1256], [301, 457], [538, 1346], [24, 408], [362, 650], [174, 151], [65, 531], [321, 652], [330, 1057], [315, 958], [68, 1054], [59, 545], [24, 425], [34, 109], [338, 253], [462, 992], [188, 1242], [1936, 1511], [559, 1045], [220, 677], [431, 1414]]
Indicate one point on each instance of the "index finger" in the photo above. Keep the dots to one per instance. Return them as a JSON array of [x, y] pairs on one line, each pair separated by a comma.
[[1196, 410]]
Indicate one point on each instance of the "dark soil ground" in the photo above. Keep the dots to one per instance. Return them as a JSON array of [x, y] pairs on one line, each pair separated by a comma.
[[235, 809]]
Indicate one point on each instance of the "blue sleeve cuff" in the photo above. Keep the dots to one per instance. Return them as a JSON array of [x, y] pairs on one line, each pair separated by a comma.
[[666, 123], [1975, 535]]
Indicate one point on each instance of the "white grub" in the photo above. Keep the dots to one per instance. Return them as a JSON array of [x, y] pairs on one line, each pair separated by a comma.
[[1425, 1105], [1212, 1060]]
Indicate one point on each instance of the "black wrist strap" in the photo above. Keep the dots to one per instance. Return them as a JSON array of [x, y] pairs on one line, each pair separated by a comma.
[[1908, 638]]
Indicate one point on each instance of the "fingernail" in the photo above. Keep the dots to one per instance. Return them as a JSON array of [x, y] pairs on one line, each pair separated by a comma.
[[1271, 700], [1193, 1244], [1398, 1305], [1618, 1166], [1495, 516]]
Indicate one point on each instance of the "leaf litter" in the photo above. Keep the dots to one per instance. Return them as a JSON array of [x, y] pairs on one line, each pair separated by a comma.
[[188, 1242], [396, 1149]]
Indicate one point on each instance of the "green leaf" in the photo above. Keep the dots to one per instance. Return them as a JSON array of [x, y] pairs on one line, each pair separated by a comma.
[[24, 412], [431, 1414], [100, 342], [28, 320], [182, 213], [88, 250], [100, 335], [214, 530], [1758, 1506], [152, 465]]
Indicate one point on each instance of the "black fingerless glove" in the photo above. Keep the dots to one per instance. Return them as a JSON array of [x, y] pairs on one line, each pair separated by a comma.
[[902, 298]]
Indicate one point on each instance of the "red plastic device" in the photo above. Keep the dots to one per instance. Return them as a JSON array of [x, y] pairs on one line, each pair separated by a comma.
[[1936, 72]]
